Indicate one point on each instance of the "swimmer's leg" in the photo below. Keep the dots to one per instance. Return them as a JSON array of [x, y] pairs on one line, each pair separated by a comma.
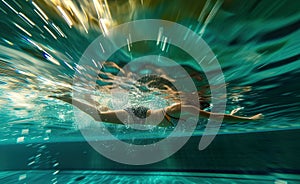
[[66, 98], [100, 107], [233, 118], [190, 110]]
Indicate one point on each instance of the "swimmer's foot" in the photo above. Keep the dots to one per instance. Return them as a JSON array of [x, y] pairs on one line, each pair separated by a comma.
[[257, 117], [235, 110]]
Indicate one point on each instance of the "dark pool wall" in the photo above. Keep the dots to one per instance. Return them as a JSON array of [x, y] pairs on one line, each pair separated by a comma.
[[262, 152]]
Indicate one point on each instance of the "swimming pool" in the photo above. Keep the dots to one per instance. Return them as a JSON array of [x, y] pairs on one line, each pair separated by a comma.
[[255, 43]]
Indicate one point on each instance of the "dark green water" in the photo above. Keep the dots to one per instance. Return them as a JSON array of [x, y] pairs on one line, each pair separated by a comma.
[[256, 43]]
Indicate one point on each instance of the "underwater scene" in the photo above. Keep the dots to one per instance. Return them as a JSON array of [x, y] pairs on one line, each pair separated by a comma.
[[150, 91]]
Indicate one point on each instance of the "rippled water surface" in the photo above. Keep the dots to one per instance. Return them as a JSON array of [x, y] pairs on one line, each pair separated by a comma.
[[41, 42]]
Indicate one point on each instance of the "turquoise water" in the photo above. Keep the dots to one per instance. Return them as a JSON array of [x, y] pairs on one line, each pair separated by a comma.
[[256, 43]]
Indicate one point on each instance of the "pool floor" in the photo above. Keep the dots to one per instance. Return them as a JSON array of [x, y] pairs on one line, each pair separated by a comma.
[[38, 176]]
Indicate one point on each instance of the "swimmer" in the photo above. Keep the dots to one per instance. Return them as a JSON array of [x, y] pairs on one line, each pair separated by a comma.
[[168, 116], [171, 114]]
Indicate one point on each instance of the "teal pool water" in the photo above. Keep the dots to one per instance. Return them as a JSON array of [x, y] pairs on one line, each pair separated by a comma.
[[41, 42]]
